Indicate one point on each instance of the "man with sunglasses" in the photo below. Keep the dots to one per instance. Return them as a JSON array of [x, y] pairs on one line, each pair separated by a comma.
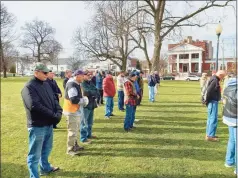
[[42, 110]]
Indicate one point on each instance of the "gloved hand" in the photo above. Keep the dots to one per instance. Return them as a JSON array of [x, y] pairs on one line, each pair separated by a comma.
[[57, 117], [86, 101]]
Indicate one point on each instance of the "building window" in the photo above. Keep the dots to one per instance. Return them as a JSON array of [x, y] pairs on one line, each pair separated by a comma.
[[62, 68], [51, 68], [222, 68], [195, 55], [196, 67], [212, 67], [183, 56]]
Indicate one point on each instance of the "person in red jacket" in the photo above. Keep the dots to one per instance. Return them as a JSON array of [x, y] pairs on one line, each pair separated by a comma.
[[109, 92]]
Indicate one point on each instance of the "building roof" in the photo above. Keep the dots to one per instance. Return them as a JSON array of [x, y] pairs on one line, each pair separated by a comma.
[[185, 47]]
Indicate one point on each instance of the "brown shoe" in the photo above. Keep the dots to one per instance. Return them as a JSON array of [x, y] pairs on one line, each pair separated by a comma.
[[214, 136], [93, 137], [212, 139]]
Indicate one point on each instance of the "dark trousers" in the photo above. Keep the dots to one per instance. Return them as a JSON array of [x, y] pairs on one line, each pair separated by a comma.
[[120, 100], [55, 125], [100, 97]]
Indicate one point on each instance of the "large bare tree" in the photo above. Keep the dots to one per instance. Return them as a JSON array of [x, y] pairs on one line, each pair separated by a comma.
[[8, 21], [38, 37], [107, 36], [165, 22]]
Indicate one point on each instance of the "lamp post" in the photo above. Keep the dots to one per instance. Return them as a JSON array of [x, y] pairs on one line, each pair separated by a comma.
[[218, 32]]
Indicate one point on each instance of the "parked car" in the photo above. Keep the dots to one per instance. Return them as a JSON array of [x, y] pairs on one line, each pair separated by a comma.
[[192, 78], [168, 77], [29, 74]]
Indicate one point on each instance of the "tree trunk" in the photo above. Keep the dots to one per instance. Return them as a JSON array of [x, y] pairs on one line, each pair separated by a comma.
[[124, 63], [156, 55], [3, 62], [38, 55], [158, 41]]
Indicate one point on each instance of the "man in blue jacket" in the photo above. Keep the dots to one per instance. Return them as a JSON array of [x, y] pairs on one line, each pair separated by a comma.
[[42, 110], [151, 85], [99, 80]]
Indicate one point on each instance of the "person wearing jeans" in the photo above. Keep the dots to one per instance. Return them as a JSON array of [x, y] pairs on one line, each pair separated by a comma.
[[230, 119], [130, 102], [99, 79], [86, 124], [109, 92], [151, 86], [213, 96], [120, 83], [43, 110]]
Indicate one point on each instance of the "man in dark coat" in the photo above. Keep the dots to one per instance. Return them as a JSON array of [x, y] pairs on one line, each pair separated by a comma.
[[90, 91], [54, 87], [42, 110], [68, 75], [213, 96]]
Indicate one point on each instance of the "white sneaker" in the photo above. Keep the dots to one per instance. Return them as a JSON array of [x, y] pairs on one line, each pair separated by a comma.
[[228, 166], [137, 120]]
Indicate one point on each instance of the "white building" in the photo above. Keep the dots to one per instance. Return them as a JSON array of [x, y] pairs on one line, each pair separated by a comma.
[[57, 66]]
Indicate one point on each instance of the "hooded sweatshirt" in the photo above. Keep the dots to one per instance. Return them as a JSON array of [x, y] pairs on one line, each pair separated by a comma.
[[230, 95]]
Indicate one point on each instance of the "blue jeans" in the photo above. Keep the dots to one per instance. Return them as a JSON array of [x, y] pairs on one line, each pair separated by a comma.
[[231, 152], [120, 100], [40, 146], [151, 93], [212, 120], [130, 116], [109, 106], [86, 124]]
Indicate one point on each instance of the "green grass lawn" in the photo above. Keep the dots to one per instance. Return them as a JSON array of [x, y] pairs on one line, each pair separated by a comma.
[[168, 141]]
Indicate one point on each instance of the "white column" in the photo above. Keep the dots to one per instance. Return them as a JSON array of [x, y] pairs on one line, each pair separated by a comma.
[[177, 62], [200, 62], [190, 62]]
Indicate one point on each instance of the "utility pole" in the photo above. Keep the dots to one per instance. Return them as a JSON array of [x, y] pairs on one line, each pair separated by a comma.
[[223, 48]]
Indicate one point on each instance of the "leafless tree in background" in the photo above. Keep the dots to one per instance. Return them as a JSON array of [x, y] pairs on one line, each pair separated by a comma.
[[165, 22], [8, 21], [107, 36], [38, 37]]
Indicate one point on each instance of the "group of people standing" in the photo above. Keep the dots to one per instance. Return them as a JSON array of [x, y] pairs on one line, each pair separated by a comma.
[[83, 93], [212, 93]]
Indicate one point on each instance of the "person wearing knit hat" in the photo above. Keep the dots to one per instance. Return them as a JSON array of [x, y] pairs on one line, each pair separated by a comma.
[[130, 101]]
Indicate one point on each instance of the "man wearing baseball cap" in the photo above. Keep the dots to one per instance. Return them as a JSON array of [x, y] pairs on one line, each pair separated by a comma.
[[90, 91], [72, 109], [43, 110]]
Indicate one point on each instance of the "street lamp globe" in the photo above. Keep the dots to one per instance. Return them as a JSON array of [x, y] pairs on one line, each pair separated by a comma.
[[218, 29]]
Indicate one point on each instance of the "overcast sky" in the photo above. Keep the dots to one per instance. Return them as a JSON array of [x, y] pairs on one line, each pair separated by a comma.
[[65, 17]]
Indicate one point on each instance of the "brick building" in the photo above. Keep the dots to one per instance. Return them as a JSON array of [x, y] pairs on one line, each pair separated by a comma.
[[191, 56]]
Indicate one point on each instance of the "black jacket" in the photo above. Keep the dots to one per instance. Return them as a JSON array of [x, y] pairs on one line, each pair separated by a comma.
[[41, 105], [230, 107], [54, 87], [65, 81], [213, 89]]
